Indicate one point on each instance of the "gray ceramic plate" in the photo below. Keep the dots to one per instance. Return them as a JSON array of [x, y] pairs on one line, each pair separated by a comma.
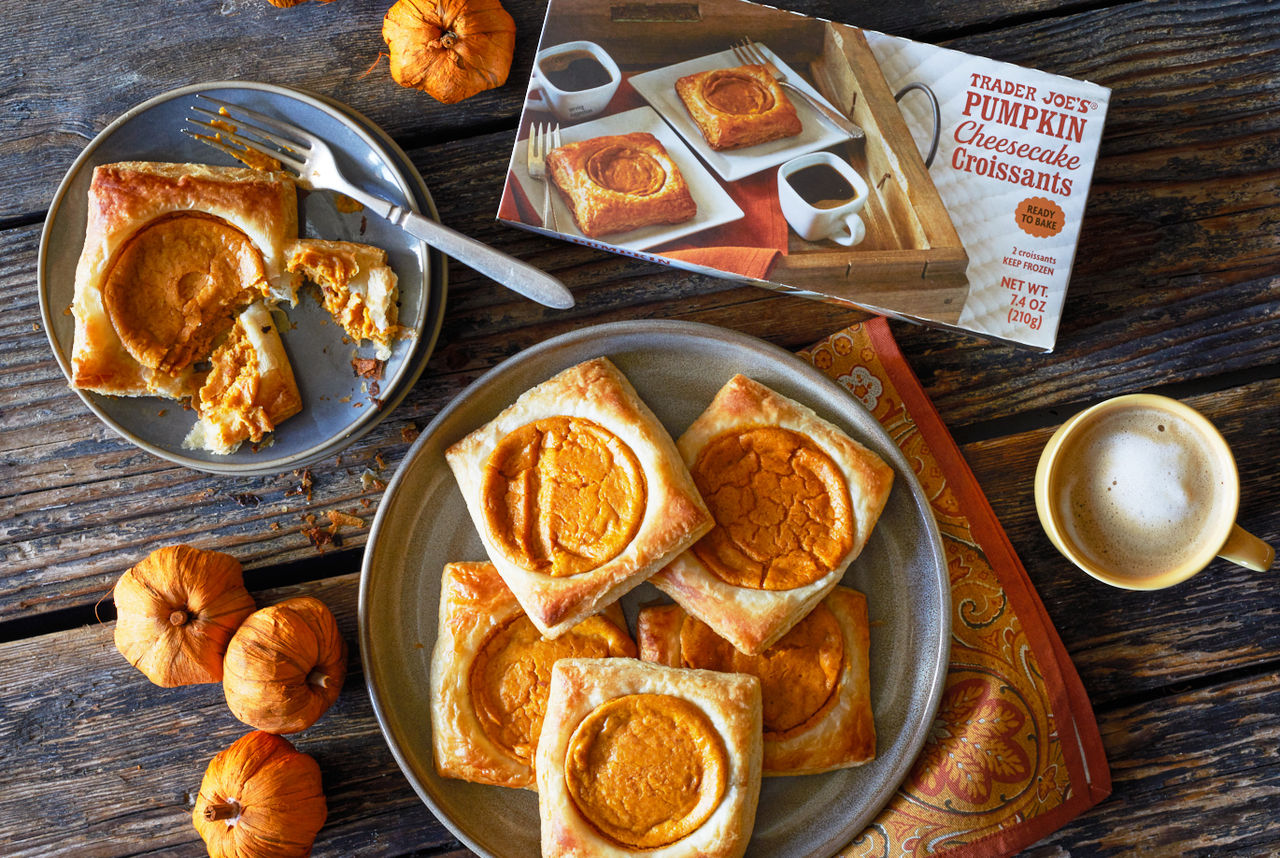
[[677, 367], [337, 410]]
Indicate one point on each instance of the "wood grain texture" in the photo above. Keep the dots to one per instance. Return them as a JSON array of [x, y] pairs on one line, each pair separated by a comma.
[[1175, 289]]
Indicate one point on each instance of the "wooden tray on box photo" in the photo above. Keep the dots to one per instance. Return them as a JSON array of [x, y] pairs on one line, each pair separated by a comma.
[[911, 262]]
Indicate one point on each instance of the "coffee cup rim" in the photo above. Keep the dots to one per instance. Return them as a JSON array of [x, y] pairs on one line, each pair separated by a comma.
[[1050, 517], [610, 65]]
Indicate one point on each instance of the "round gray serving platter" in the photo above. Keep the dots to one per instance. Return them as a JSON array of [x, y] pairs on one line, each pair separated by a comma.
[[338, 407], [676, 367]]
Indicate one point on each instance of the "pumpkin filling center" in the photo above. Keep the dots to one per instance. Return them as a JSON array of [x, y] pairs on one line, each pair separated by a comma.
[[783, 517], [646, 769], [562, 495], [511, 676], [626, 170], [736, 94], [798, 675], [177, 285]]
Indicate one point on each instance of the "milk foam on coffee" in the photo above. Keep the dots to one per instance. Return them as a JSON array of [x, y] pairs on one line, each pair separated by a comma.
[[1140, 490]]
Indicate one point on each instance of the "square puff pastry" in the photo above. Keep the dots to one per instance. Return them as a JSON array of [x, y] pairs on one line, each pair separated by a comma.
[[840, 734], [127, 196], [738, 107], [620, 182], [668, 514], [590, 693], [752, 618], [475, 605]]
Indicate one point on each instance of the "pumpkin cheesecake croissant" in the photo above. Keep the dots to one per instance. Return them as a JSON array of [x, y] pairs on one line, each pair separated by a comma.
[[490, 671], [181, 267], [815, 681], [620, 182], [794, 500], [578, 494]]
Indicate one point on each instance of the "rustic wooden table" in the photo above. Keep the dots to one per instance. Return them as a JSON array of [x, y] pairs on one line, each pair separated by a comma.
[[1175, 290]]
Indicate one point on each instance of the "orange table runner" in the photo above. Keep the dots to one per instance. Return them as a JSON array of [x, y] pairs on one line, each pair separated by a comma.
[[1014, 752]]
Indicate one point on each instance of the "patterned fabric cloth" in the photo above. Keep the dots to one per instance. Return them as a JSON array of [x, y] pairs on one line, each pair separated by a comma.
[[1014, 752]]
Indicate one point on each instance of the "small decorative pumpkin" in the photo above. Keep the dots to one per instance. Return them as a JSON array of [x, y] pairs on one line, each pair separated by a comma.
[[285, 666], [175, 612], [260, 797], [449, 49]]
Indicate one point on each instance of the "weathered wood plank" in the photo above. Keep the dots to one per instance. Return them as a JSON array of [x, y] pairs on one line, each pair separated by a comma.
[[98, 761], [1194, 775]]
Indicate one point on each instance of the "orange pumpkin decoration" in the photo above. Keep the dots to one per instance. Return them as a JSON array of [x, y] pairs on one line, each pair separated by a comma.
[[260, 798], [449, 49], [285, 666], [175, 612]]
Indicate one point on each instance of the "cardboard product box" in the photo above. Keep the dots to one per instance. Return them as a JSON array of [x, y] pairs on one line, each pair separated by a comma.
[[812, 157]]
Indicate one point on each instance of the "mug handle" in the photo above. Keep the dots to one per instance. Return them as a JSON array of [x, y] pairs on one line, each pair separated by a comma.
[[857, 231], [937, 116], [1247, 550], [534, 99]]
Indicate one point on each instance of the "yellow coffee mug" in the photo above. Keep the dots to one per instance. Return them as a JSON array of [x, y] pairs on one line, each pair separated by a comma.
[[1141, 492]]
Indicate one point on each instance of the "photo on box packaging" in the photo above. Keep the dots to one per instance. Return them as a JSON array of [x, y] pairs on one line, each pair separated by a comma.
[[809, 156]]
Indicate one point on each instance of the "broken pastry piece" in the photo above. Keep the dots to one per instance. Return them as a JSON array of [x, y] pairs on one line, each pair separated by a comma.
[[250, 389], [172, 254], [357, 286], [815, 682], [794, 500]]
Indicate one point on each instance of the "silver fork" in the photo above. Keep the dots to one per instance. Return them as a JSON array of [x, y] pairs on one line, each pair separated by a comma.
[[542, 139], [749, 53], [311, 158]]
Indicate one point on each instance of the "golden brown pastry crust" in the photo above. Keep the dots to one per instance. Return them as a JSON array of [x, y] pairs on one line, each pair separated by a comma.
[[243, 402], [730, 701], [620, 182], [754, 619], [474, 603], [673, 517], [843, 736], [127, 196], [357, 286], [768, 116]]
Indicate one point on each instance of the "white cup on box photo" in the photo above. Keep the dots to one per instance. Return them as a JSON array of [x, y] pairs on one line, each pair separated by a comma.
[[821, 197], [574, 80]]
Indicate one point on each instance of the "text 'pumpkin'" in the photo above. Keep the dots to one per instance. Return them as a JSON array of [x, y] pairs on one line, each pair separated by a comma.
[[449, 49]]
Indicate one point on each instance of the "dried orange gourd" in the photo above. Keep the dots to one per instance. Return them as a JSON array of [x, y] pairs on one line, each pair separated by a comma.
[[175, 612], [285, 666], [260, 797], [449, 49]]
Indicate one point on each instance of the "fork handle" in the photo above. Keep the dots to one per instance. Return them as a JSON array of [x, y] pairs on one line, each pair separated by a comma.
[[516, 275], [842, 122]]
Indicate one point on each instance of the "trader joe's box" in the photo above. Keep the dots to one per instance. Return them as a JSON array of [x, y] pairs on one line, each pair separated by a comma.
[[915, 181]]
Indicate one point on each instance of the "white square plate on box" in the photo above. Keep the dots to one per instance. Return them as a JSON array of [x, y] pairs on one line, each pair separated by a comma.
[[658, 87], [715, 206]]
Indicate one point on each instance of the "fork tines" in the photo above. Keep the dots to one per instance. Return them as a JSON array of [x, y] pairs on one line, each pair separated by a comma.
[[228, 123], [748, 54]]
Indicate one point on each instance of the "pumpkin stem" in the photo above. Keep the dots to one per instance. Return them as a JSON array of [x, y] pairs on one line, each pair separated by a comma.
[[179, 617], [447, 40], [318, 678], [228, 809]]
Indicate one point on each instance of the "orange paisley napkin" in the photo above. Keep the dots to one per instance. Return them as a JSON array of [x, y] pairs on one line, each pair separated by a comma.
[[1014, 753]]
